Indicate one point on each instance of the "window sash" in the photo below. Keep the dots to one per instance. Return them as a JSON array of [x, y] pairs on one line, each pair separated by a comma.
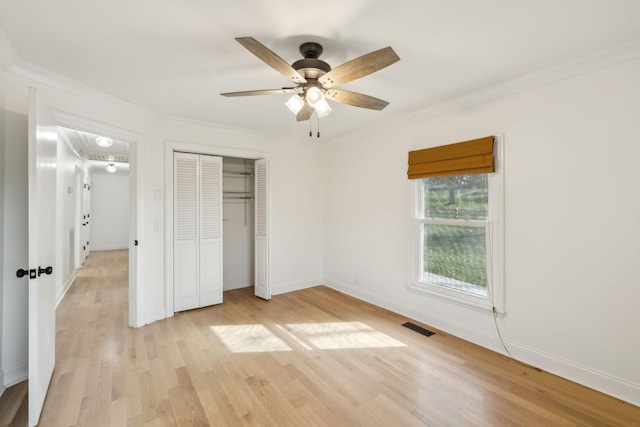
[[456, 284]]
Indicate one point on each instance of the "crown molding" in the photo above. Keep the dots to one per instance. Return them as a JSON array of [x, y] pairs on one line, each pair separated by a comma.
[[36, 74], [170, 120], [56, 81], [508, 86]]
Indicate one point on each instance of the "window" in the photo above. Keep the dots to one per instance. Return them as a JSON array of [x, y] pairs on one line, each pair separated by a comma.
[[454, 232], [456, 237]]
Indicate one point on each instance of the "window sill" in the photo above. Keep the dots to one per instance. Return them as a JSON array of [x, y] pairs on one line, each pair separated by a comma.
[[479, 303]]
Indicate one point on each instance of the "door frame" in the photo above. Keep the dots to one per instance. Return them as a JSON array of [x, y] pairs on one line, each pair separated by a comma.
[[189, 147], [78, 188], [136, 144]]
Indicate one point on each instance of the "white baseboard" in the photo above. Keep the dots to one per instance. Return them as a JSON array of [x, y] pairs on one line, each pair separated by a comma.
[[154, 315], [15, 375], [283, 288], [584, 375], [234, 287], [110, 247], [66, 287]]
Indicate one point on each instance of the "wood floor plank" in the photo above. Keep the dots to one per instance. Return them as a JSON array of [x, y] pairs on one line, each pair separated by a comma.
[[314, 357], [13, 405]]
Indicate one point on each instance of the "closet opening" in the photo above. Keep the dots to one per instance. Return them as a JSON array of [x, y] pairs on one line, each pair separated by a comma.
[[238, 224], [217, 226]]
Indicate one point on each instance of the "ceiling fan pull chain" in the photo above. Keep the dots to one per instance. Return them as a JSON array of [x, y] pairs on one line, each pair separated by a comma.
[[318, 120], [310, 131]]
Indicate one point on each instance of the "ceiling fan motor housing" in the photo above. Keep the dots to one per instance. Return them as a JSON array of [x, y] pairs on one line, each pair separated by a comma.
[[311, 67]]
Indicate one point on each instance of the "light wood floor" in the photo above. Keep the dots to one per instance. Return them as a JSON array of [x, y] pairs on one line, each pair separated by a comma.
[[309, 358]]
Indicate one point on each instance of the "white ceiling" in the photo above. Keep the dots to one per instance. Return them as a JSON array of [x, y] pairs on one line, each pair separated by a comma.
[[175, 56], [84, 143]]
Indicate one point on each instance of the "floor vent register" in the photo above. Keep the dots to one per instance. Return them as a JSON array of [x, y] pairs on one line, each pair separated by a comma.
[[418, 329]]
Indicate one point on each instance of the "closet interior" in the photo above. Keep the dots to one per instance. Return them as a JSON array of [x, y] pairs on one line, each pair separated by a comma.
[[238, 211]]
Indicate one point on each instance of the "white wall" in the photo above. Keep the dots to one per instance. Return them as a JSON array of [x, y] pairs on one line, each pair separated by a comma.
[[109, 211], [2, 161], [66, 198], [572, 203], [15, 250]]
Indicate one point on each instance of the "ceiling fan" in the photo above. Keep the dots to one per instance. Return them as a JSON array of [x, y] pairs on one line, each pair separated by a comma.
[[315, 80]]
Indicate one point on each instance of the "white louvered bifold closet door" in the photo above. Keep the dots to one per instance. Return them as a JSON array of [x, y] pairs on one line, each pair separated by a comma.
[[185, 231], [197, 246], [262, 284], [210, 230]]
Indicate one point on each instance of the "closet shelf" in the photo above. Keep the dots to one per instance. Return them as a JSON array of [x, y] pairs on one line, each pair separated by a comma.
[[242, 195]]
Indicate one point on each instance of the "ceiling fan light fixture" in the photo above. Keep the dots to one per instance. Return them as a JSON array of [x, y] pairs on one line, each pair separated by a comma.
[[111, 168], [322, 108], [295, 104], [104, 142], [314, 96]]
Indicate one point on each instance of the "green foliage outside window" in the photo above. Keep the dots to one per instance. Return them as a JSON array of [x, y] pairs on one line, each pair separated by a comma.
[[456, 251]]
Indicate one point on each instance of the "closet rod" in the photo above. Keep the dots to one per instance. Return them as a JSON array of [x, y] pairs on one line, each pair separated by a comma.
[[238, 174]]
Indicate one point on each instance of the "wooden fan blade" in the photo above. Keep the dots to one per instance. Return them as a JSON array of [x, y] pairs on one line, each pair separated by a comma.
[[355, 99], [271, 59], [261, 92], [359, 67], [305, 113]]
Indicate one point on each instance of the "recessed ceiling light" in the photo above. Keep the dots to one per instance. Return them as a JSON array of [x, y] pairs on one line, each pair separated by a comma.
[[103, 141]]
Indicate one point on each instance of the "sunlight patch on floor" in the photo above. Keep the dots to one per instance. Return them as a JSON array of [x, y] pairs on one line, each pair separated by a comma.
[[341, 335], [249, 338], [311, 336]]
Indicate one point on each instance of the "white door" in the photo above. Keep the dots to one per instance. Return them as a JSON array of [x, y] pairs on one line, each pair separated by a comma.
[[42, 207], [185, 231], [210, 230], [262, 286], [197, 247]]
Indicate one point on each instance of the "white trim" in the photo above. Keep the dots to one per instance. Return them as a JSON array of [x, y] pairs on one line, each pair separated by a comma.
[[495, 247], [598, 380], [66, 287], [109, 247], [16, 374], [34, 73], [169, 147], [296, 285], [451, 295]]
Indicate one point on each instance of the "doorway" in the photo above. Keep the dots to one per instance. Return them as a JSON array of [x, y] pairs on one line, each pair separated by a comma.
[[113, 193]]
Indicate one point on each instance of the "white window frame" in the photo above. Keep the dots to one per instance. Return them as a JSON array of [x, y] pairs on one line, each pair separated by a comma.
[[495, 245]]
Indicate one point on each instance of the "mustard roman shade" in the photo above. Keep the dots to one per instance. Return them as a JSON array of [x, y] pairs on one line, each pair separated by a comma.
[[462, 158]]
